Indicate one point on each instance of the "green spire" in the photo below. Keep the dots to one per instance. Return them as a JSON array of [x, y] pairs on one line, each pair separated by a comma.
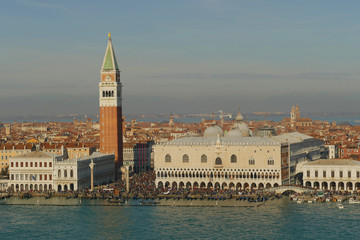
[[109, 62]]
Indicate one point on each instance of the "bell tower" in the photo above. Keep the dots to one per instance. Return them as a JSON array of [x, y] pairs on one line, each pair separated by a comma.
[[110, 100]]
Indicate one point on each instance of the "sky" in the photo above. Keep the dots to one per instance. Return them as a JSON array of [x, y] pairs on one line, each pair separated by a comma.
[[181, 56]]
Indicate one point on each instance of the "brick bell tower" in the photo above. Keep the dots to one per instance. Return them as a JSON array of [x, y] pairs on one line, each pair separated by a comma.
[[111, 140]]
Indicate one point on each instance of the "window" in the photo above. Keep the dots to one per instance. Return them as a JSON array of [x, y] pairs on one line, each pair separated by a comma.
[[341, 174], [218, 161], [17, 164], [332, 174], [307, 173], [203, 158], [26, 164], [71, 173], [40, 177], [271, 161], [45, 177], [185, 158], [324, 173], [65, 173], [12, 176], [59, 173], [45, 164], [50, 164], [12, 164], [349, 174], [35, 164], [50, 177], [40, 163], [167, 158], [233, 158], [358, 174], [31, 164], [22, 164], [316, 173], [251, 161]]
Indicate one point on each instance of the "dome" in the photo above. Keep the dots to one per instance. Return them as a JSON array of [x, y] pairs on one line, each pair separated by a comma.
[[213, 131], [243, 128], [233, 133]]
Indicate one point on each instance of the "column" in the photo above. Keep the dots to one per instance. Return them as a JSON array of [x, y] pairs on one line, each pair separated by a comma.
[[91, 165]]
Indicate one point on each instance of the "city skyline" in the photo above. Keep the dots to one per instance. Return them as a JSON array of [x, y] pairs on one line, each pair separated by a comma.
[[198, 56]]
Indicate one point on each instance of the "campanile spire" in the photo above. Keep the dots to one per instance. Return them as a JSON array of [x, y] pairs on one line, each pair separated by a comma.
[[110, 101]]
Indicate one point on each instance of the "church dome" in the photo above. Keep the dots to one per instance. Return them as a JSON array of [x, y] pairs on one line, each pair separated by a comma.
[[213, 131], [233, 133], [243, 128]]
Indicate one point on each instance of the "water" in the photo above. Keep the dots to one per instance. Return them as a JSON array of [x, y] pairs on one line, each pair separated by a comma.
[[281, 219]]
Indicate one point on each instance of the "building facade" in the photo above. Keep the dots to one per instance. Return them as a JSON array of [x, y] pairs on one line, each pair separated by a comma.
[[332, 174], [32, 171], [234, 160], [110, 98], [42, 171]]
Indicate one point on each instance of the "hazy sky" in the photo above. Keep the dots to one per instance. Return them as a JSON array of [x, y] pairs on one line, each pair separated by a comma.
[[181, 56]]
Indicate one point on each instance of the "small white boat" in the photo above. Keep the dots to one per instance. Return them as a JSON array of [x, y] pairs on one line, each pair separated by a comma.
[[340, 206], [352, 201], [328, 199], [299, 201], [309, 201], [339, 199]]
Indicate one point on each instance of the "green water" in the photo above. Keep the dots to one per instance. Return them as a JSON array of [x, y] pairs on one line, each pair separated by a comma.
[[281, 219]]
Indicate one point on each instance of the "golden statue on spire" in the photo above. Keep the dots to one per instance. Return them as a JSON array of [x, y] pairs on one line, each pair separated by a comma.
[[109, 34]]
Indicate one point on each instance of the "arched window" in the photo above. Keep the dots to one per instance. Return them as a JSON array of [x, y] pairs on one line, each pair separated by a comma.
[[271, 161], [112, 93], [203, 158], [103, 93], [59, 173], [167, 158], [251, 161], [71, 173], [185, 158], [65, 173], [233, 158], [218, 161]]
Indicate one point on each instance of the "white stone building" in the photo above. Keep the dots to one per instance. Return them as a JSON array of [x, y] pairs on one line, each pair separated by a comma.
[[234, 160], [42, 171], [32, 171], [332, 174], [74, 174]]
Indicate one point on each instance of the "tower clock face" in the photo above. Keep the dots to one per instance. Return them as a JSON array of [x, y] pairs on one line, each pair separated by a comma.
[[107, 78]]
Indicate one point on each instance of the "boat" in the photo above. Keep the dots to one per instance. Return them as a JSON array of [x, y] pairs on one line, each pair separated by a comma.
[[309, 201], [327, 199], [352, 201], [299, 201], [340, 206]]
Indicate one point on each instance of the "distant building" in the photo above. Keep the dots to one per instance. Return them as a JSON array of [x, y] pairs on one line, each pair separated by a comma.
[[295, 120], [138, 156], [331, 150]]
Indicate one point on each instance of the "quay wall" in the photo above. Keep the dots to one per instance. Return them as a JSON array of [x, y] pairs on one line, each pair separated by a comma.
[[62, 201]]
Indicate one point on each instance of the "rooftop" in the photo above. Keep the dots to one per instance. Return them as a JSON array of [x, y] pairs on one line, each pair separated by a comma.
[[333, 162]]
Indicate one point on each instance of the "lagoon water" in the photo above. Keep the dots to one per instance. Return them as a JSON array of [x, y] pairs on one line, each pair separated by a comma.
[[279, 219]]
